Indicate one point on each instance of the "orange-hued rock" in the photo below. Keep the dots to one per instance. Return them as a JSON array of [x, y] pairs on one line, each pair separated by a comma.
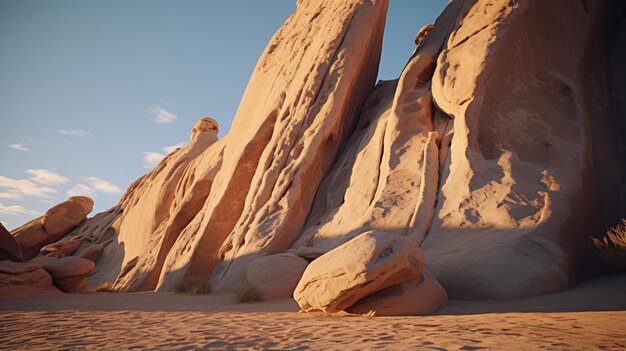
[[364, 265], [52, 226], [68, 273], [527, 179], [493, 151], [135, 236], [22, 279], [9, 249], [298, 108], [61, 248], [418, 297], [276, 276]]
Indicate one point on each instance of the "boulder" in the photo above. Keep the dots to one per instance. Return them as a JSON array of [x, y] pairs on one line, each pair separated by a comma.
[[52, 226], [22, 279], [68, 273], [276, 276], [366, 264], [61, 248], [9, 249], [418, 297]]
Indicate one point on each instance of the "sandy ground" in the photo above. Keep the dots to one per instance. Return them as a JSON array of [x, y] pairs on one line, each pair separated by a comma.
[[591, 316]]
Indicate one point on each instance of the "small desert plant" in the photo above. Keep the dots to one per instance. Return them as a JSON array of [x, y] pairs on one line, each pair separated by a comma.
[[613, 246], [106, 287], [193, 286], [248, 292]]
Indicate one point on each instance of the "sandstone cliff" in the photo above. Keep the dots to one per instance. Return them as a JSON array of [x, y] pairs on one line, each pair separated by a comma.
[[494, 156]]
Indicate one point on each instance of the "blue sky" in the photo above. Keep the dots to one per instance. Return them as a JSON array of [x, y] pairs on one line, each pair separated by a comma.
[[92, 93]]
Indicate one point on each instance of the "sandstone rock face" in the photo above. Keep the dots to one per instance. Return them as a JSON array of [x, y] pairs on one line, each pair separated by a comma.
[[22, 279], [9, 249], [495, 151], [418, 297], [52, 226], [366, 264], [276, 276], [61, 248], [525, 182], [68, 273]]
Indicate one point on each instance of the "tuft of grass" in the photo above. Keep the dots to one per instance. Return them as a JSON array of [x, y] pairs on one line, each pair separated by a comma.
[[247, 292], [613, 246], [106, 287], [193, 286]]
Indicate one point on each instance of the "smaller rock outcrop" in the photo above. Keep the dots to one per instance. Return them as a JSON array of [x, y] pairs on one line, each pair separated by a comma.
[[22, 279], [276, 276], [61, 248], [418, 297], [9, 249], [68, 273], [370, 262], [52, 226]]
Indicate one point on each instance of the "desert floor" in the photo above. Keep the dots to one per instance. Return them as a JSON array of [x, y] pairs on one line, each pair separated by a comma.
[[590, 316]]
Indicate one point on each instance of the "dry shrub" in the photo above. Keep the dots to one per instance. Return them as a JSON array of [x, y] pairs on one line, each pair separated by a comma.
[[106, 287], [247, 292], [193, 286], [613, 246]]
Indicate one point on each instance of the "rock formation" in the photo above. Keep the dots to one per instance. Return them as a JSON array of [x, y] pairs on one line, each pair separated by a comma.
[[68, 273], [22, 279], [52, 226], [366, 264], [494, 154], [9, 249]]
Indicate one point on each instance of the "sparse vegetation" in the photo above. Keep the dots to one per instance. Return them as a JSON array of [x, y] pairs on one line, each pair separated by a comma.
[[193, 286], [613, 246], [247, 292], [105, 287]]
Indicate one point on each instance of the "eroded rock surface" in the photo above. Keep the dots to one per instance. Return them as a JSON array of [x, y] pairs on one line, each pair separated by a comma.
[[364, 265], [52, 226], [495, 150], [68, 273], [276, 276], [418, 297], [22, 279]]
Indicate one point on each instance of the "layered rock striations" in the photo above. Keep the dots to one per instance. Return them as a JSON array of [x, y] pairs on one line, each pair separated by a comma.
[[490, 161]]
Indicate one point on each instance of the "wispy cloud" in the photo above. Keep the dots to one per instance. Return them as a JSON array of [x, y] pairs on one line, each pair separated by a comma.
[[15, 210], [168, 149], [25, 187], [75, 132], [80, 190], [152, 158], [11, 194], [18, 147], [161, 115], [90, 185], [47, 177]]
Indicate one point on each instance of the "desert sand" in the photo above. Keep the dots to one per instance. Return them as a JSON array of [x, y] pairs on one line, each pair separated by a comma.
[[591, 316]]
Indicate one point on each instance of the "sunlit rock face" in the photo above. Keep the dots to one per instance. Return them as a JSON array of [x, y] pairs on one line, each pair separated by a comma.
[[494, 155]]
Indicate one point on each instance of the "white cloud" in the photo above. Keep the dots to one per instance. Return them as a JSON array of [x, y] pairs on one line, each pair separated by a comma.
[[14, 210], [11, 194], [90, 185], [102, 185], [168, 149], [161, 115], [18, 147], [47, 202], [80, 189], [25, 187], [151, 159], [47, 177], [75, 132]]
